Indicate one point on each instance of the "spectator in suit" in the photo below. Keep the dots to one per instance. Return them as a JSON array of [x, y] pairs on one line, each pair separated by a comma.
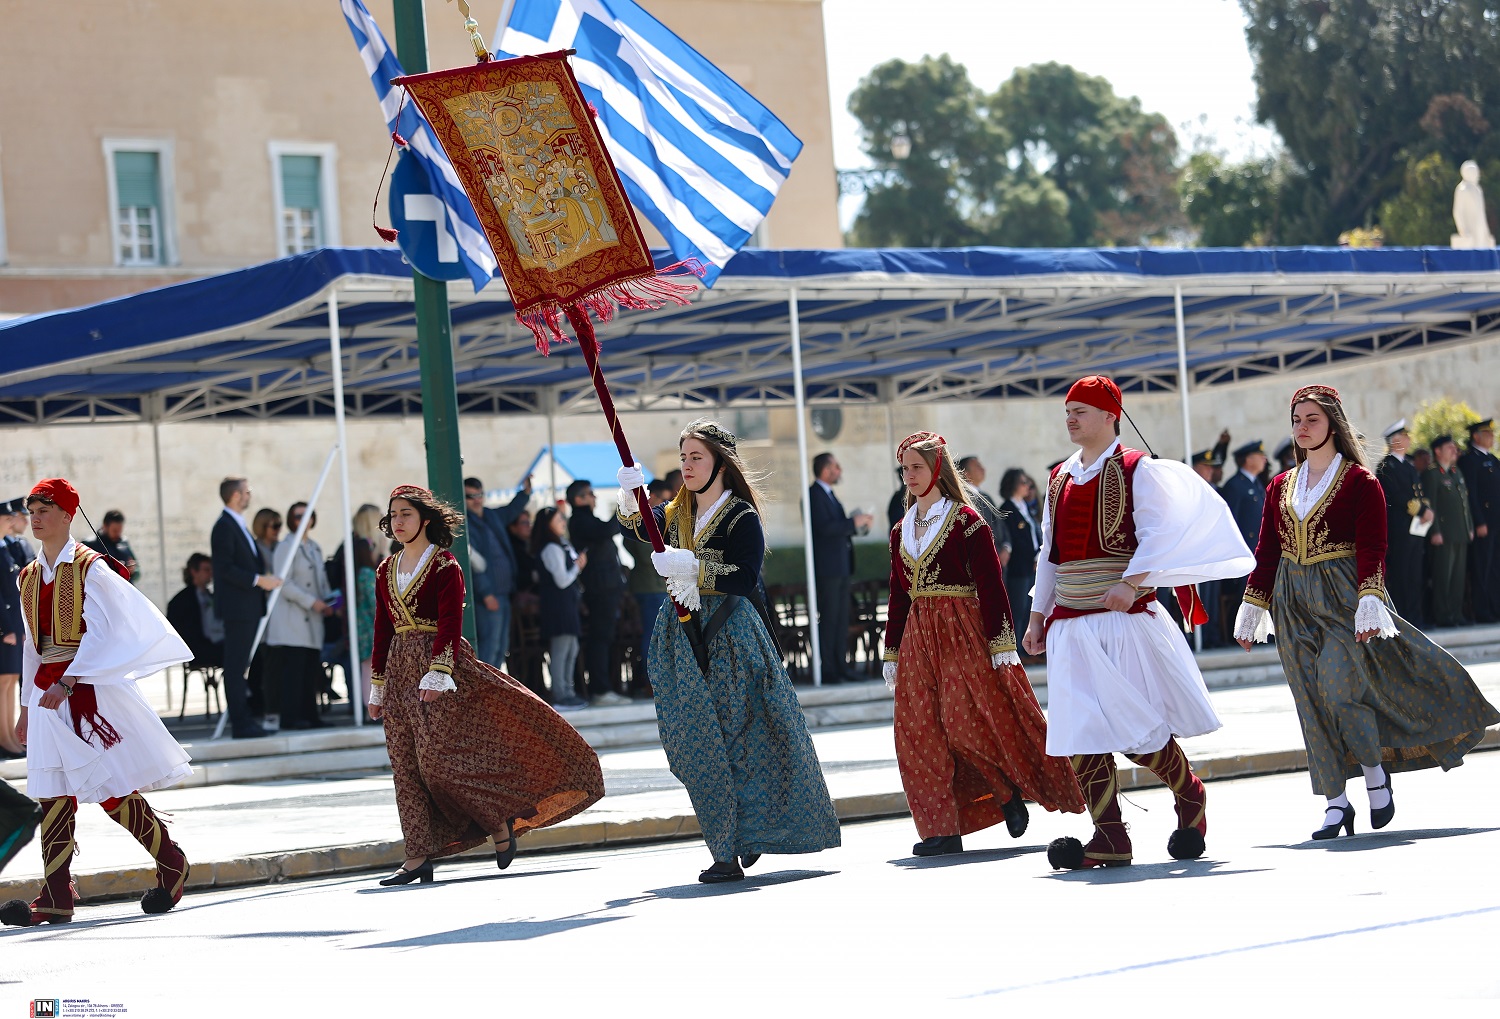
[[833, 533], [1245, 493], [673, 478], [241, 579], [1421, 459], [294, 636], [1404, 502], [1452, 531], [972, 473], [191, 612], [110, 540], [486, 565], [603, 589], [12, 633], [1481, 472], [1024, 537], [499, 581]]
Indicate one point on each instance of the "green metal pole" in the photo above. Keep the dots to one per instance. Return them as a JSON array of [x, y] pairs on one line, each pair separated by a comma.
[[445, 472]]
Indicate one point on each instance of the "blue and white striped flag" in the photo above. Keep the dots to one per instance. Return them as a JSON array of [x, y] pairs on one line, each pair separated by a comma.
[[700, 157], [380, 62]]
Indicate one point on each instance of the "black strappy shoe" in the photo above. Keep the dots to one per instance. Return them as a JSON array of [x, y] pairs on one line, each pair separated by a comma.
[[406, 877], [1344, 823], [722, 872], [504, 856], [1382, 817]]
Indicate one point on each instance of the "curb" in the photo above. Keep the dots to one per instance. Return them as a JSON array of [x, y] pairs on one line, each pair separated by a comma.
[[273, 868]]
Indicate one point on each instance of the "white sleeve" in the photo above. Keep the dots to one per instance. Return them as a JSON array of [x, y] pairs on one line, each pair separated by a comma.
[[557, 565], [125, 637], [1044, 592], [1184, 530]]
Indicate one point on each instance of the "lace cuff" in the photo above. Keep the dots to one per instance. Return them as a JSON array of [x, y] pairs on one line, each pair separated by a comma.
[[377, 695], [888, 670], [1252, 623], [1000, 659], [684, 591], [439, 681], [1373, 615]]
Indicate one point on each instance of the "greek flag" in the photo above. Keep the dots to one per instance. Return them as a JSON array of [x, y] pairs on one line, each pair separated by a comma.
[[380, 62], [700, 157]]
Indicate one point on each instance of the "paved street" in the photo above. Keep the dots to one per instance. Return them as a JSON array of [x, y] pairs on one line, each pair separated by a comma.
[[1411, 911]]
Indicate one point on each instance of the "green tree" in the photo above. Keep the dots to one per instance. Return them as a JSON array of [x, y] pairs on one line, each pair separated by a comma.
[[1233, 204], [1053, 158], [1423, 212], [1359, 89], [1441, 417], [1115, 163], [937, 110]]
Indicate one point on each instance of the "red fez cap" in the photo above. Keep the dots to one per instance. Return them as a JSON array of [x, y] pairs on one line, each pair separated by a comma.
[[1097, 391], [59, 492]]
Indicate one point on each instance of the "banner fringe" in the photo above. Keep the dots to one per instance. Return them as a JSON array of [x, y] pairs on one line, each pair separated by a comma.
[[645, 293]]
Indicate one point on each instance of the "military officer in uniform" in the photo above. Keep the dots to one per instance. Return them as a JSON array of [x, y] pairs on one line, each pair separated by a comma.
[[1209, 465], [1245, 493], [1482, 474], [1286, 458], [1405, 501], [1452, 531]]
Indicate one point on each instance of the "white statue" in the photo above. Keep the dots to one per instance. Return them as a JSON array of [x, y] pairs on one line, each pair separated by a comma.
[[1468, 211]]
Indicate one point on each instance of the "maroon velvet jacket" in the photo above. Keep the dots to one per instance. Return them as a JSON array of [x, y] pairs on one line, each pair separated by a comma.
[[433, 604], [1348, 522], [961, 562]]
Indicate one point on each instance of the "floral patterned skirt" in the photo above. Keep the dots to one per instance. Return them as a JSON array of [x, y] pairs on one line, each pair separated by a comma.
[[968, 734], [479, 756]]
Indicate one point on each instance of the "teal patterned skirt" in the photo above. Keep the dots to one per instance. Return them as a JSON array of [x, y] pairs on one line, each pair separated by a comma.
[[737, 740], [1403, 701]]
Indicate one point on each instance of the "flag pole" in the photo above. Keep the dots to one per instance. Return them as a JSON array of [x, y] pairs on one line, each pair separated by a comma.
[[588, 343]]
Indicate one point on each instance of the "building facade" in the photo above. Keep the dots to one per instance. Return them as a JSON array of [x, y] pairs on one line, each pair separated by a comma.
[[161, 140]]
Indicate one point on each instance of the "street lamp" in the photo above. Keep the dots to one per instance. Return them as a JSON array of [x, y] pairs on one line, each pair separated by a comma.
[[900, 147]]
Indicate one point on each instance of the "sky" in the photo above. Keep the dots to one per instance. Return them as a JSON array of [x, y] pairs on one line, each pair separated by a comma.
[[1185, 59]]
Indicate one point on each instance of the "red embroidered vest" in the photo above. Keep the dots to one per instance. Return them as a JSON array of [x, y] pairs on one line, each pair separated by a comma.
[[1095, 520]]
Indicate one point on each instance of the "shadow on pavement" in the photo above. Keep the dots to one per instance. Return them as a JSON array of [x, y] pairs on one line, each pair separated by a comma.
[[697, 890], [1382, 839], [1150, 872], [515, 930], [488, 875], [966, 857]]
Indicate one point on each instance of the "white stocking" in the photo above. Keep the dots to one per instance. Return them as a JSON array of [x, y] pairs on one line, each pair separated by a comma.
[[1336, 805], [1379, 798]]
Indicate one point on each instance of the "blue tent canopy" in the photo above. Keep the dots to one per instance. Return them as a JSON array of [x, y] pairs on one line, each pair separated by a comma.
[[906, 325]]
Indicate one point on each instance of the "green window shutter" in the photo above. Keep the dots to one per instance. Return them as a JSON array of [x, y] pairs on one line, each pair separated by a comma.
[[301, 182], [138, 179]]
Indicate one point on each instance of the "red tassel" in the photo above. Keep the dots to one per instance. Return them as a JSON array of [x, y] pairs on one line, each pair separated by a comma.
[[386, 233]]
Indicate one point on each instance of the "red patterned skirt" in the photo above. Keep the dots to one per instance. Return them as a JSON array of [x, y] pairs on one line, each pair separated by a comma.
[[478, 756], [968, 733]]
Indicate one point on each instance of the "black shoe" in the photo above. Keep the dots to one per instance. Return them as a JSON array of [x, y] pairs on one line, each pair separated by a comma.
[[748, 860], [1382, 817], [1331, 831], [722, 872], [406, 877], [504, 856], [1016, 817], [251, 732], [939, 845]]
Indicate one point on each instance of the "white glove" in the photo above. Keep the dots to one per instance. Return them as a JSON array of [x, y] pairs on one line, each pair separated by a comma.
[[439, 681], [1373, 615], [1252, 623], [377, 694], [888, 670], [1000, 659], [630, 479], [675, 562]]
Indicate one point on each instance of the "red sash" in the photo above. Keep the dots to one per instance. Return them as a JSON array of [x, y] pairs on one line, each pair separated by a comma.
[[84, 703]]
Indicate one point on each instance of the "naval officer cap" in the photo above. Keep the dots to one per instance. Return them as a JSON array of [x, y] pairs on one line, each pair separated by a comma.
[[1283, 447], [1394, 428], [1487, 425], [1206, 458], [13, 506], [1258, 446]]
